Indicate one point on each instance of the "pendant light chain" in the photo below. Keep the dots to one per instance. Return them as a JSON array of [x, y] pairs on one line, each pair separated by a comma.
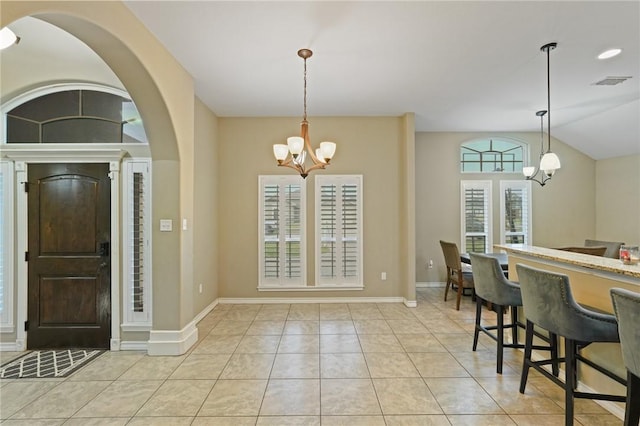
[[549, 98]]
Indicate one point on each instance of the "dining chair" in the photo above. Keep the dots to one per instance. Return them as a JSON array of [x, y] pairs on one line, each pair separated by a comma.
[[613, 247], [626, 305], [455, 274]]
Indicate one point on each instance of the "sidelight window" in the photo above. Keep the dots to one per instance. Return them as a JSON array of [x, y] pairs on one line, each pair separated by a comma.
[[6, 244], [136, 183]]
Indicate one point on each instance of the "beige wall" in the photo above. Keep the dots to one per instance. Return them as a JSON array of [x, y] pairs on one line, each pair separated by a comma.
[[618, 199], [563, 210], [368, 146], [205, 218], [164, 94]]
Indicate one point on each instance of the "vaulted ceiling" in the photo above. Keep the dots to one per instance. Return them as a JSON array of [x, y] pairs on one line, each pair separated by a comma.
[[459, 66]]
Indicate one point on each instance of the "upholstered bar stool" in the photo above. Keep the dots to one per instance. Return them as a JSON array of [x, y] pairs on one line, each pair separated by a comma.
[[626, 305], [548, 303], [499, 294]]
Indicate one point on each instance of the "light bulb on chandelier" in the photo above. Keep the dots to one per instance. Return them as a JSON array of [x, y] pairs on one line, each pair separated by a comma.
[[295, 152]]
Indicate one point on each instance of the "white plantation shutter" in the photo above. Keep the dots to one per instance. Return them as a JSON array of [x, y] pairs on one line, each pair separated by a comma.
[[6, 244], [136, 183], [281, 225], [338, 230], [476, 216], [515, 212]]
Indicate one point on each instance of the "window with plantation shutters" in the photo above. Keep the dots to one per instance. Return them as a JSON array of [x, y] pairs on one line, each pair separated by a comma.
[[137, 245], [476, 216], [339, 230], [6, 242], [515, 212], [281, 226]]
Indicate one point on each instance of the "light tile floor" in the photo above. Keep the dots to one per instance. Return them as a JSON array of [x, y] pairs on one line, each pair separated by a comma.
[[306, 364]]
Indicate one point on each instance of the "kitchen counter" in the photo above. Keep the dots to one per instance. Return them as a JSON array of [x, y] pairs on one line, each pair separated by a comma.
[[597, 263]]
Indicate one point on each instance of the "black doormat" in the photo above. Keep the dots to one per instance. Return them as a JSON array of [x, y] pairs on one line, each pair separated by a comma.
[[48, 364]]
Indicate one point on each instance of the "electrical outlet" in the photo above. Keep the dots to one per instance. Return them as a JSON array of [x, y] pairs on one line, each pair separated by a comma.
[[383, 276], [430, 263]]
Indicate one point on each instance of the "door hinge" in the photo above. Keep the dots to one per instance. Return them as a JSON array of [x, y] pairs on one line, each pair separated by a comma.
[[26, 326], [26, 186], [26, 256]]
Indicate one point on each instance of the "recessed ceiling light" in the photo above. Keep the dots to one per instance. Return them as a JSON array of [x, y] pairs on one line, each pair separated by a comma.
[[609, 53], [7, 38]]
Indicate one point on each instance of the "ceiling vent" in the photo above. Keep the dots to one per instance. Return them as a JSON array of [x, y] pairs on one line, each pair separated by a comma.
[[611, 81]]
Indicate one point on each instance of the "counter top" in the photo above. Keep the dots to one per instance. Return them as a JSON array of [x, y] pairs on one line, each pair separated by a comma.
[[586, 261]]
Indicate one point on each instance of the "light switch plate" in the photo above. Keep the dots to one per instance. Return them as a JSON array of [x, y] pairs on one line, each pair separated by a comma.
[[166, 225]]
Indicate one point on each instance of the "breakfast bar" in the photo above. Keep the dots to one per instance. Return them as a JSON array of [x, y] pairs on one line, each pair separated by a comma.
[[591, 278]]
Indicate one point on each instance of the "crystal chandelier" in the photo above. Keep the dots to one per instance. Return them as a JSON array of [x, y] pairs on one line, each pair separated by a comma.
[[295, 152]]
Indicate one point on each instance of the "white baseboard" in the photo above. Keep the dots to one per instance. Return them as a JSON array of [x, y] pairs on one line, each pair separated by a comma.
[[16, 346], [410, 303], [172, 342], [127, 345], [430, 284], [205, 311], [269, 300]]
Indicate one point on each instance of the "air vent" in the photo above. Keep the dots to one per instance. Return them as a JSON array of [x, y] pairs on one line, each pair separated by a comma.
[[611, 81]]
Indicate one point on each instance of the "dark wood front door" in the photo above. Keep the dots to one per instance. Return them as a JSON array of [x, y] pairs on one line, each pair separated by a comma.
[[69, 210]]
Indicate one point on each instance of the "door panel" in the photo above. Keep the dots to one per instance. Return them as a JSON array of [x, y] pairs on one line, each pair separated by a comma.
[[69, 267]]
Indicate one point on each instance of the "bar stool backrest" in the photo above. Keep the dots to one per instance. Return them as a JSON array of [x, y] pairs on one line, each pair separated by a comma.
[[549, 303], [490, 282], [627, 308]]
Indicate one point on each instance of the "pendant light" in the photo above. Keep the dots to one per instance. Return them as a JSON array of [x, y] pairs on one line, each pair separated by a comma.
[[549, 161]]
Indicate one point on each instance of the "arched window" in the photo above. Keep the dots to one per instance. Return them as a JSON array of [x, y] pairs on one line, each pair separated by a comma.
[[74, 114], [492, 156]]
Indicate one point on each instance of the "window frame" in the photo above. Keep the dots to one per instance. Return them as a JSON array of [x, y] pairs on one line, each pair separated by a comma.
[[281, 283], [7, 256], [338, 282], [516, 145], [485, 185], [136, 320], [527, 209]]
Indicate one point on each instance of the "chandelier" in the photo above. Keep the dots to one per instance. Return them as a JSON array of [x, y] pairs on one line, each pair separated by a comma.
[[549, 161], [295, 152]]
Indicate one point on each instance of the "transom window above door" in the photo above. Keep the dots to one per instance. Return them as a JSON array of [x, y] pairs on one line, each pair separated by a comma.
[[75, 115], [492, 156]]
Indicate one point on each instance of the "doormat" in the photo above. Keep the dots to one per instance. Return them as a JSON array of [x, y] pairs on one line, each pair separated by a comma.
[[48, 364]]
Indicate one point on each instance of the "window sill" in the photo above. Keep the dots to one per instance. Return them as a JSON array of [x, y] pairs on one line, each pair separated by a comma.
[[313, 288]]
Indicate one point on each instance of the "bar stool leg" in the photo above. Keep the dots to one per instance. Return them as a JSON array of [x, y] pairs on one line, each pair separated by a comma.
[[528, 343], [478, 316], [500, 335], [632, 411], [553, 341], [514, 324], [570, 378]]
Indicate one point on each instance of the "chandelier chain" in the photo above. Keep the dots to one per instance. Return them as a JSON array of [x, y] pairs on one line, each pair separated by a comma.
[[305, 90]]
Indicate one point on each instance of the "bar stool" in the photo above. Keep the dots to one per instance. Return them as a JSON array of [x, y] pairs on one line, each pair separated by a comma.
[[626, 305], [500, 294], [549, 304]]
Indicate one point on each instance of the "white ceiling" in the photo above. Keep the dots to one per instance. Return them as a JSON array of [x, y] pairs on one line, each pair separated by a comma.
[[459, 66]]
